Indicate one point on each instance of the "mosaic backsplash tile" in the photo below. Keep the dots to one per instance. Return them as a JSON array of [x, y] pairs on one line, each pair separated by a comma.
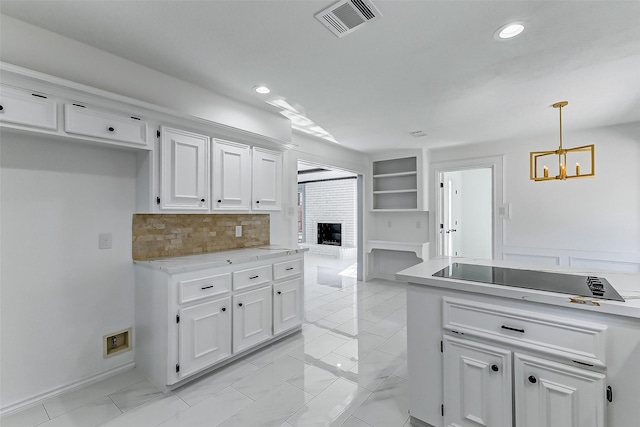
[[162, 235]]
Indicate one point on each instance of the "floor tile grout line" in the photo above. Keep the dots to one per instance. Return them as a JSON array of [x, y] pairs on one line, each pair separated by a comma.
[[245, 395], [361, 420]]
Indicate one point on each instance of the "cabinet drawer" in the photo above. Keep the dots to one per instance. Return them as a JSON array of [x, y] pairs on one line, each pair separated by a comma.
[[204, 287], [99, 124], [251, 277], [572, 339], [27, 108], [287, 268]]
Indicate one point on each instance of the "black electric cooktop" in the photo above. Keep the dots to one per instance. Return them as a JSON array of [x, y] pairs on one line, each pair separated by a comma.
[[586, 286]]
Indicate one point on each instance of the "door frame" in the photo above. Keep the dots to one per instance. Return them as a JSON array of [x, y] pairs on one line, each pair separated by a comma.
[[360, 204], [496, 164]]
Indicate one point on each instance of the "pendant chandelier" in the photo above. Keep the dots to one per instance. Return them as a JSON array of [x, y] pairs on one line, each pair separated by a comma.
[[540, 161]]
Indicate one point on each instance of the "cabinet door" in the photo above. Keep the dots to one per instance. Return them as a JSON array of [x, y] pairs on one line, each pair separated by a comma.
[[287, 305], [204, 335], [251, 318], [27, 108], [477, 384], [231, 176], [550, 394], [184, 170], [267, 180], [101, 124]]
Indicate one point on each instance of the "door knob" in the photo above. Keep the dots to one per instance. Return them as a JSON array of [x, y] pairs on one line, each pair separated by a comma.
[[532, 379], [495, 368]]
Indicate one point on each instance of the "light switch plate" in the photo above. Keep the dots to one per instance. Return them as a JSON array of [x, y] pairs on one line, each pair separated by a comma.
[[238, 231], [504, 211], [105, 241]]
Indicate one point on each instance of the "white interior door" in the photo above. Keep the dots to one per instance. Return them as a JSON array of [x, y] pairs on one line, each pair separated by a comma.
[[466, 213], [451, 230]]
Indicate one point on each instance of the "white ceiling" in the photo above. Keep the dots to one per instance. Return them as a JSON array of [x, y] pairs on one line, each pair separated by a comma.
[[425, 65]]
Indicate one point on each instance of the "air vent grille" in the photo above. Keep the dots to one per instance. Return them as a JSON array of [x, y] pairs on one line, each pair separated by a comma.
[[366, 12], [334, 23], [346, 16]]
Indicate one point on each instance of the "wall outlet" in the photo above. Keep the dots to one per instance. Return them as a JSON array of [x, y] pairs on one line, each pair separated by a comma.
[[104, 241], [238, 231]]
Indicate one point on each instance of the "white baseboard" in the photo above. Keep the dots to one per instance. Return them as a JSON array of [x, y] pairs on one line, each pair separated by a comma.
[[41, 397]]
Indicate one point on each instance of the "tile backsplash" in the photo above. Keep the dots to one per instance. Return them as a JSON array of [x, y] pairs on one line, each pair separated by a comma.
[[161, 235]]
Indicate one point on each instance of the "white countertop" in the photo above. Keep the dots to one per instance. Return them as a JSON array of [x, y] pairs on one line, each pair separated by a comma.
[[217, 259], [627, 285]]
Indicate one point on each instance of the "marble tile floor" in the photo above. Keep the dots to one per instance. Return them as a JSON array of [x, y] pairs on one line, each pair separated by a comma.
[[347, 367]]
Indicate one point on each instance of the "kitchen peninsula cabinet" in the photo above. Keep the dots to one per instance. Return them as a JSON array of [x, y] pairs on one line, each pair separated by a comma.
[[520, 357], [196, 312]]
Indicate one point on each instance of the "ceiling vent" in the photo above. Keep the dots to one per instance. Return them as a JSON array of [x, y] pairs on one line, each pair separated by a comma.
[[346, 16]]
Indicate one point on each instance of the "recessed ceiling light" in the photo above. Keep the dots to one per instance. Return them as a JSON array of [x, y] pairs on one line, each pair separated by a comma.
[[262, 89], [509, 31]]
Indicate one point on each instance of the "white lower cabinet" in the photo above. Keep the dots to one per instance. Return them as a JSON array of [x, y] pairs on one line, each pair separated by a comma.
[[478, 389], [477, 384], [287, 305], [251, 318], [549, 394], [204, 335], [190, 320], [508, 363]]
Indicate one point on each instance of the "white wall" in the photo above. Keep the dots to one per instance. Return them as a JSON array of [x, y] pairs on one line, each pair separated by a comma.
[[60, 294], [590, 222], [40, 50], [333, 202]]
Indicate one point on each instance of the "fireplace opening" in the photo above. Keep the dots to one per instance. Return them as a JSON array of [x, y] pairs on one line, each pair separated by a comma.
[[329, 234]]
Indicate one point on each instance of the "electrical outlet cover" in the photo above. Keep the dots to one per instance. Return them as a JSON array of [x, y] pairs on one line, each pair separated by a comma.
[[105, 241]]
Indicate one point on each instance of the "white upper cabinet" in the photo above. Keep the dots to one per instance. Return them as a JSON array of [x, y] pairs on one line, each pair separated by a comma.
[[231, 176], [27, 108], [81, 120], [267, 180], [184, 170]]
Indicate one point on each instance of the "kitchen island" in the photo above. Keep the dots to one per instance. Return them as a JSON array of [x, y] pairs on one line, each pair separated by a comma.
[[483, 354]]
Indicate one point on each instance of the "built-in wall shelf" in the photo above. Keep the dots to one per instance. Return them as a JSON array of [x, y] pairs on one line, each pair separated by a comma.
[[397, 183], [421, 249]]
